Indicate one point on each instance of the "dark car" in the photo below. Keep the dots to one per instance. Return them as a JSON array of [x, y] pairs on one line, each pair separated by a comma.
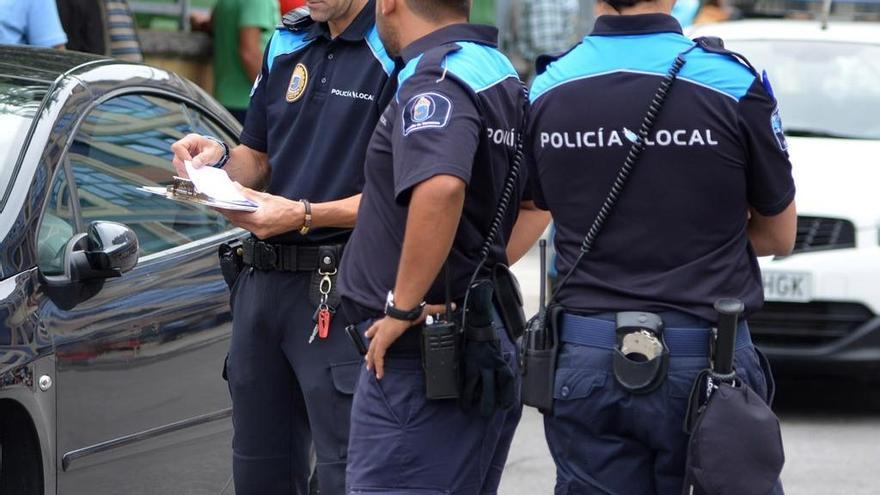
[[114, 316]]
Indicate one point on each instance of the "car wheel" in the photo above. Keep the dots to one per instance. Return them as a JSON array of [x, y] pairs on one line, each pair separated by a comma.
[[22, 473]]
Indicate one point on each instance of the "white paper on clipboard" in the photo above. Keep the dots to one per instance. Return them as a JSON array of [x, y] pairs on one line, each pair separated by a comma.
[[207, 186]]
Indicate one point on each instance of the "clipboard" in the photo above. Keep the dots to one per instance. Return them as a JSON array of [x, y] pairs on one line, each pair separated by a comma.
[[184, 191]]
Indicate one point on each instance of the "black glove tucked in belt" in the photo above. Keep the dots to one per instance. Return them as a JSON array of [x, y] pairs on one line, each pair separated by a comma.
[[489, 381]]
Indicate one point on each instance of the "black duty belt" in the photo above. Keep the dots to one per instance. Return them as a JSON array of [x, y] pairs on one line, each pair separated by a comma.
[[289, 258]]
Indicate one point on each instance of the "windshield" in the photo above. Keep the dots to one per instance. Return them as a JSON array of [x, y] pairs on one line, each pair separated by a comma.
[[824, 88], [19, 101]]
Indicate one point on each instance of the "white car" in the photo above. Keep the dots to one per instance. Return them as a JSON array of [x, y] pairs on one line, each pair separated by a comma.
[[823, 300]]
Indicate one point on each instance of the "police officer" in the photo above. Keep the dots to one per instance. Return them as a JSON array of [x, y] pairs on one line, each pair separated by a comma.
[[711, 190], [435, 169], [291, 369]]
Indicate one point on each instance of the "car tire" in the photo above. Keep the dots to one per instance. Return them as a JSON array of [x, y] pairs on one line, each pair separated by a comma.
[[22, 473]]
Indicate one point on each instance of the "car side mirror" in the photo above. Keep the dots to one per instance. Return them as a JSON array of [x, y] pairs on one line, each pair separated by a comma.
[[106, 250]]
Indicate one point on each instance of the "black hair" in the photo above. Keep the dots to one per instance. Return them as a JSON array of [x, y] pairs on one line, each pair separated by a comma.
[[440, 9], [619, 5]]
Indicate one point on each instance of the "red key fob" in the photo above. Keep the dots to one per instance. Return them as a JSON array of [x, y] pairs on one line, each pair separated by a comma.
[[323, 323]]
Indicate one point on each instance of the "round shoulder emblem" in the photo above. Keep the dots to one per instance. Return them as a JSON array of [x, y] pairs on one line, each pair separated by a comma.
[[423, 109], [298, 81]]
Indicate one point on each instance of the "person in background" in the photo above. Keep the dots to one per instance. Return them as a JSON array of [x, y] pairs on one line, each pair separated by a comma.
[[31, 22], [586, 17], [83, 21], [241, 29], [483, 12], [544, 26]]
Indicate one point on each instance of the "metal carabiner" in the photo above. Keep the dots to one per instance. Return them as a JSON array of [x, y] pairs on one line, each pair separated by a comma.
[[326, 284]]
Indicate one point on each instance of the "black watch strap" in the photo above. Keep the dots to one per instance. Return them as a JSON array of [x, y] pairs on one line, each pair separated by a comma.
[[223, 159], [399, 314]]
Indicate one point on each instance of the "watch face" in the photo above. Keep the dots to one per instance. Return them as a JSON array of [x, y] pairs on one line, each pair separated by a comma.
[[389, 299]]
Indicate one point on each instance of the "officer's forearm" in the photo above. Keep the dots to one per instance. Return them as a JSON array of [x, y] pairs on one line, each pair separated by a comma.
[[773, 236], [529, 226], [341, 213], [434, 212], [248, 167]]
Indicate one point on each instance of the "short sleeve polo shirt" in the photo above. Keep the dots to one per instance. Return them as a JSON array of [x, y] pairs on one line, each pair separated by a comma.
[[458, 109], [313, 109], [677, 238]]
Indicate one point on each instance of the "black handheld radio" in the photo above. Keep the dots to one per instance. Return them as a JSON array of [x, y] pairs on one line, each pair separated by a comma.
[[539, 348], [441, 345]]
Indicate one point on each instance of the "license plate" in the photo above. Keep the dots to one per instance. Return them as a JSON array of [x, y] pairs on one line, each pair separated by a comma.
[[787, 286]]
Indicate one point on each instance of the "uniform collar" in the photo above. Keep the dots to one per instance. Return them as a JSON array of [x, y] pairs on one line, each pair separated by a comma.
[[484, 35], [356, 31], [616, 25]]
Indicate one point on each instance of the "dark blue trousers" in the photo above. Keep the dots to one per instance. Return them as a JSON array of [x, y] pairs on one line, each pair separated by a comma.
[[403, 444], [607, 441], [287, 394]]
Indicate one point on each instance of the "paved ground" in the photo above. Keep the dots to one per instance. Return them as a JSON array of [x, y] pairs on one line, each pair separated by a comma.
[[831, 430]]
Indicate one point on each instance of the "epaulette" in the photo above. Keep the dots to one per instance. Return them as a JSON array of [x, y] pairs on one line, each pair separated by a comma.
[[297, 19], [714, 44], [545, 60]]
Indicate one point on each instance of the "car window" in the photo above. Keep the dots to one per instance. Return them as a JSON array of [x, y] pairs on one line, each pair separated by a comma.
[[828, 89], [19, 101], [56, 227], [202, 124], [123, 144]]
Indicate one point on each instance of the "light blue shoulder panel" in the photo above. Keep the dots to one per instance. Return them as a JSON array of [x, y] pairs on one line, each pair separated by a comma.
[[479, 66], [283, 42], [378, 49], [408, 70], [647, 54]]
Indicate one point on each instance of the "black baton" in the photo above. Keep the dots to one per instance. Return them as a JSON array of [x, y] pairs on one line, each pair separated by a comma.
[[729, 311]]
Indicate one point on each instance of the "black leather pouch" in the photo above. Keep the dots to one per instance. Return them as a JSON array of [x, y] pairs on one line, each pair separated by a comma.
[[328, 263], [231, 261], [509, 302]]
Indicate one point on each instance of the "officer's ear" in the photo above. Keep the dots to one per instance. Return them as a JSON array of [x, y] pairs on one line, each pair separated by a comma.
[[386, 7]]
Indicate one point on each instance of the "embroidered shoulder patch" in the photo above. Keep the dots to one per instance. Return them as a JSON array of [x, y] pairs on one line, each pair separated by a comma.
[[426, 111], [778, 131]]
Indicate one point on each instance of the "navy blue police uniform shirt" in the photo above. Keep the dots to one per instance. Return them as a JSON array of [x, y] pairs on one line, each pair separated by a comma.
[[458, 108], [676, 239], [313, 109]]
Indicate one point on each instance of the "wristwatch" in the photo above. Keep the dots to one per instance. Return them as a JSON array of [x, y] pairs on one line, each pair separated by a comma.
[[225, 158], [399, 314]]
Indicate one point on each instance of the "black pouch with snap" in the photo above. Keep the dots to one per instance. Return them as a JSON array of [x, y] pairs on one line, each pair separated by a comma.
[[641, 357], [328, 263], [231, 256]]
